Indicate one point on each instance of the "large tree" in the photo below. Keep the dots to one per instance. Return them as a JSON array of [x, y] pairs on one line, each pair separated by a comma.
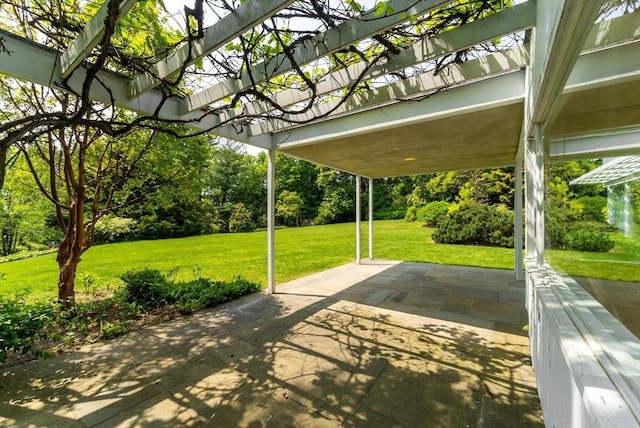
[[235, 177], [299, 176], [87, 176], [23, 210]]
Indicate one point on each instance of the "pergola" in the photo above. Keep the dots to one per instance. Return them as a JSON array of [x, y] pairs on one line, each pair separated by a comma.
[[614, 172], [570, 89]]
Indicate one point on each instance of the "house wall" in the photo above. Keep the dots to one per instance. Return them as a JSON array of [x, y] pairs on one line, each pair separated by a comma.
[[587, 364]]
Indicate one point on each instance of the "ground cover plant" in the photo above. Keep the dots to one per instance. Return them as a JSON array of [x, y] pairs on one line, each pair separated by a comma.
[[29, 329]]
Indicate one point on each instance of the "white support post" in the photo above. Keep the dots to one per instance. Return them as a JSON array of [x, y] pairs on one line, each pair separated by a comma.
[[517, 227], [539, 193], [530, 215], [371, 219], [610, 205], [358, 215], [271, 214]]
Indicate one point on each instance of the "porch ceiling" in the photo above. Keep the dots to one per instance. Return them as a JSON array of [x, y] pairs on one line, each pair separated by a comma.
[[475, 139], [599, 108]]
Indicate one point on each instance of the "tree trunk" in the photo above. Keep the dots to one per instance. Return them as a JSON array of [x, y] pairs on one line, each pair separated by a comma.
[[68, 259], [3, 164]]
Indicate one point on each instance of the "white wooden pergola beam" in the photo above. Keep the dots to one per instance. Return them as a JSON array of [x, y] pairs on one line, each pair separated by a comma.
[[245, 17], [459, 74], [562, 28], [507, 21], [89, 37], [607, 144], [319, 46], [616, 31], [32, 62], [605, 67], [505, 89]]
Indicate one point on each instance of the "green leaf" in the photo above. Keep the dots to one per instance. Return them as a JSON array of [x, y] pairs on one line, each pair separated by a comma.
[[355, 6], [383, 8], [162, 5]]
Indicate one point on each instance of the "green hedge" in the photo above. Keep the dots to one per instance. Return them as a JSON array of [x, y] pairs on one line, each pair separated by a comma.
[[433, 212], [589, 236]]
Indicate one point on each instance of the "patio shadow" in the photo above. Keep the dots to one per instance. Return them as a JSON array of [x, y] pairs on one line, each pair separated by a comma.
[[353, 346]]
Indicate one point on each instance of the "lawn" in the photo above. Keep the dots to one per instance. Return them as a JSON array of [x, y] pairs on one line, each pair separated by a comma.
[[620, 264], [299, 252]]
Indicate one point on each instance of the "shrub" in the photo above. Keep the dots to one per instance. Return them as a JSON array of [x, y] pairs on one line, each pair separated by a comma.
[[389, 213], [411, 214], [433, 212], [476, 224], [21, 323], [555, 232], [147, 288], [325, 215], [585, 238], [590, 208], [240, 220], [558, 219], [150, 288], [558, 234], [114, 229], [201, 293]]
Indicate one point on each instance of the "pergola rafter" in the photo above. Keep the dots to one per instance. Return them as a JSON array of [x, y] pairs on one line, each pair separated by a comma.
[[32, 62], [245, 17], [89, 38], [407, 90], [316, 47], [503, 23]]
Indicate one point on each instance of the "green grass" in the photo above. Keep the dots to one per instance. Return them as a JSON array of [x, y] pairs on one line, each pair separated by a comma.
[[620, 264], [299, 252]]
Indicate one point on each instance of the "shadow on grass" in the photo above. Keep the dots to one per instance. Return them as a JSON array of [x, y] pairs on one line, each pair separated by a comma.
[[350, 357]]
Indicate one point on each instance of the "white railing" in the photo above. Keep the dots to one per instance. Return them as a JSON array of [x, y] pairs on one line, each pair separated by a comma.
[[587, 363]]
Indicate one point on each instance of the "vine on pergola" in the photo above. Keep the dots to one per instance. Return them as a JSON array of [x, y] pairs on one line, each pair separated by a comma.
[[133, 43]]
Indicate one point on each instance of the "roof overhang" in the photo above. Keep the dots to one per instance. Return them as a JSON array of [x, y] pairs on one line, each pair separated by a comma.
[[581, 82], [473, 126], [480, 123]]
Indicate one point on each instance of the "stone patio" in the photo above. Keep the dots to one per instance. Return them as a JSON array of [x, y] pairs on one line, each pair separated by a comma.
[[386, 344]]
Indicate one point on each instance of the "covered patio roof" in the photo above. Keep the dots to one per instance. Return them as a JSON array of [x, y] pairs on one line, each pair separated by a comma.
[[582, 81]]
